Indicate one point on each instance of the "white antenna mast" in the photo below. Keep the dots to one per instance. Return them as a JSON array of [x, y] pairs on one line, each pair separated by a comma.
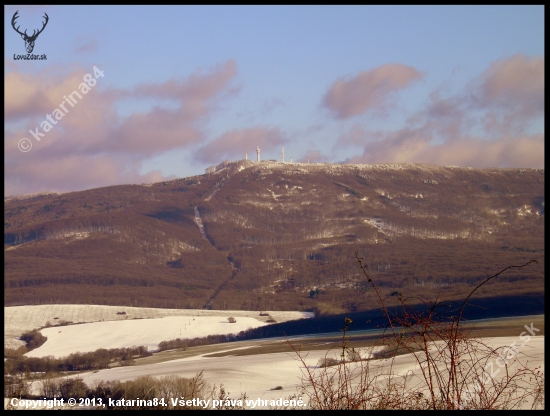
[[258, 152]]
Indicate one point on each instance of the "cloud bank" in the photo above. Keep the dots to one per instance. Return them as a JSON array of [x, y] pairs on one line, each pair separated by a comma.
[[487, 125], [369, 90], [495, 121], [91, 145]]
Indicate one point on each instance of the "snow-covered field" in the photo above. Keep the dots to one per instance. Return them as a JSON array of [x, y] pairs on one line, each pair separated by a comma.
[[257, 375], [65, 340], [102, 327]]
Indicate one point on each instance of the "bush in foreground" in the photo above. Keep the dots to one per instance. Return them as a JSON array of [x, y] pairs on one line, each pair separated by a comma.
[[452, 366]]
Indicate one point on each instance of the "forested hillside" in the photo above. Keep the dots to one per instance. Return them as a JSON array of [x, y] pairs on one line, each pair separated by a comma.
[[275, 235]]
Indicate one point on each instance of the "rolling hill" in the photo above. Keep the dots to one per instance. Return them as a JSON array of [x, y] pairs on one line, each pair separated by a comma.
[[280, 236]]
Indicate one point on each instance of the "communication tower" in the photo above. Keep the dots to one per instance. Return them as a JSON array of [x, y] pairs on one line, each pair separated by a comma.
[[283, 155], [246, 156], [258, 152]]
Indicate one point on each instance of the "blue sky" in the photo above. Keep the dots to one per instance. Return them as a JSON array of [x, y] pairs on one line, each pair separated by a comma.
[[186, 87]]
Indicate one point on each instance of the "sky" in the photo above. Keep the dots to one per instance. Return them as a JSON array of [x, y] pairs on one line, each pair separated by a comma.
[[141, 94]]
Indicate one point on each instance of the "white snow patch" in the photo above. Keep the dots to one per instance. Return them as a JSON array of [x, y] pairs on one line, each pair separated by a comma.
[[65, 340], [20, 319], [274, 195]]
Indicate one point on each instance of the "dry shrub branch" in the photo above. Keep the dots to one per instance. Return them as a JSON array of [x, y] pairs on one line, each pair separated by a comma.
[[452, 368]]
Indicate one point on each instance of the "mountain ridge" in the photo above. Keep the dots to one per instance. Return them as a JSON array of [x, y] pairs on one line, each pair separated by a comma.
[[273, 232]]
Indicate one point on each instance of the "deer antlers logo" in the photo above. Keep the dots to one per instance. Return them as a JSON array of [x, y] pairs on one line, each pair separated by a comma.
[[29, 40]]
